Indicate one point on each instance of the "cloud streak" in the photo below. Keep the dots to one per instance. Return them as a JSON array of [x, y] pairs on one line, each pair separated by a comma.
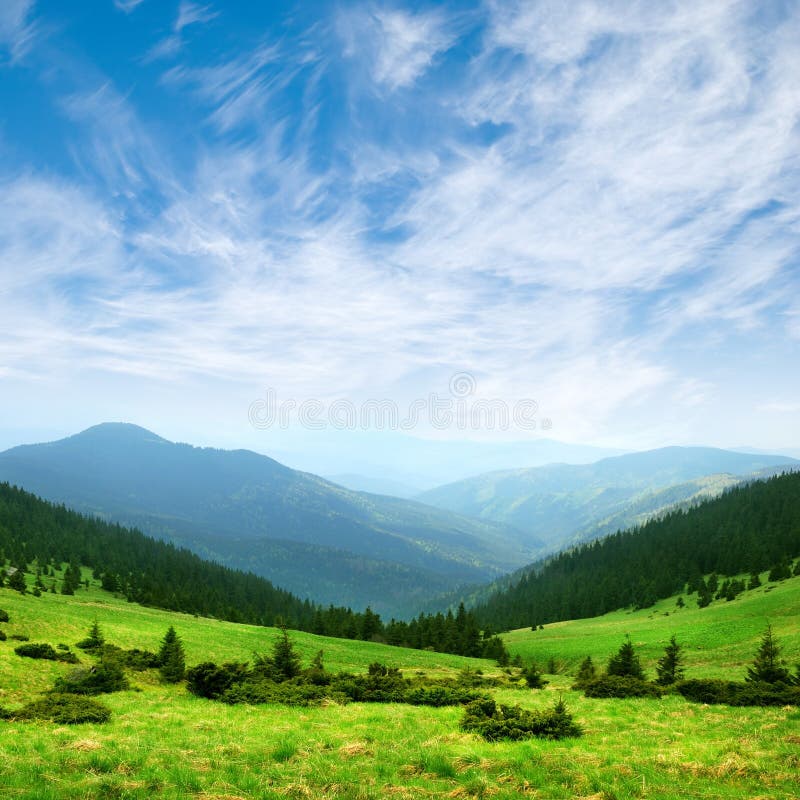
[[567, 207]]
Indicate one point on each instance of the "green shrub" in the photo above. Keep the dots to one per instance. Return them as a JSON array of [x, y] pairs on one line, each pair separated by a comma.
[[63, 709], [108, 676], [620, 686], [2, 636], [735, 693], [135, 659], [439, 696], [495, 722], [212, 680], [625, 663], [381, 684], [19, 637], [533, 677], [37, 650], [3, 615], [138, 660], [288, 693]]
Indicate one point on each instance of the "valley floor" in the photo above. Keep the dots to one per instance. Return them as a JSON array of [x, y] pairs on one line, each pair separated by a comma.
[[163, 742]]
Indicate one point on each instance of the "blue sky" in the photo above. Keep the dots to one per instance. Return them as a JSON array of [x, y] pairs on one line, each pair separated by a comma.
[[594, 205]]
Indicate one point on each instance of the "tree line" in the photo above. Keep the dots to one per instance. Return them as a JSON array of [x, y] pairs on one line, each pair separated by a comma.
[[749, 529], [53, 543]]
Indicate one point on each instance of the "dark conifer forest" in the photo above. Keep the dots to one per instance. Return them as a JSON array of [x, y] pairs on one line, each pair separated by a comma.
[[750, 528], [55, 543]]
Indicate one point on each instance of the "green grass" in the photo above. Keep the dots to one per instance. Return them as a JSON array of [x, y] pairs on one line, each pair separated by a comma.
[[164, 743], [719, 640]]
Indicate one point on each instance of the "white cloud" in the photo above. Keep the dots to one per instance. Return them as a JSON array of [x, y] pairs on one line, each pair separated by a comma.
[[612, 219], [127, 6], [399, 46], [193, 14], [17, 31], [188, 14]]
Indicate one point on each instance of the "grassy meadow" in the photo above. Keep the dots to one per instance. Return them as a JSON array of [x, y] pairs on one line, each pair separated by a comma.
[[164, 743]]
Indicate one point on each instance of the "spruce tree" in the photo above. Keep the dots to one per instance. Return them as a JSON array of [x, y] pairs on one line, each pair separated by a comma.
[[755, 580], [284, 657], [670, 666], [625, 662], [17, 581], [587, 672], [94, 639], [171, 658], [533, 677], [767, 665]]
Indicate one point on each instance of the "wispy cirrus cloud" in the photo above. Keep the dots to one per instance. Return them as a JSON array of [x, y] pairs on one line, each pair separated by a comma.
[[586, 203], [397, 45], [18, 31], [188, 14], [127, 6]]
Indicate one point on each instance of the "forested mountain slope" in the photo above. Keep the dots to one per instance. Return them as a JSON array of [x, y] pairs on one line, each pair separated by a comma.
[[751, 527], [564, 503], [251, 512]]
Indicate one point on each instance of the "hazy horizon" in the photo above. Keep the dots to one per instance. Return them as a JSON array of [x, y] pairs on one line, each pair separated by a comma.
[[588, 215]]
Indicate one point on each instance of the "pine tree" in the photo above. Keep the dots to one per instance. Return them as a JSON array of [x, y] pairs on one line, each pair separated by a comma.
[[587, 672], [284, 657], [767, 665], [17, 581], [781, 571], [94, 639], [171, 658], [670, 666], [533, 677], [755, 581], [626, 662]]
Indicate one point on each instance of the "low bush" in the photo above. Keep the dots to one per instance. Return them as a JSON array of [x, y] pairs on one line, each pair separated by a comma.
[[135, 659], [46, 652], [19, 637], [108, 676], [620, 686], [439, 696], [63, 709], [2, 636], [495, 722], [381, 684], [3, 615], [212, 680], [37, 650], [705, 690], [287, 693], [735, 693]]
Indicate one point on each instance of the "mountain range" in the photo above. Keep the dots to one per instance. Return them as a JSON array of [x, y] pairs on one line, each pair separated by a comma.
[[568, 503], [246, 510], [336, 545]]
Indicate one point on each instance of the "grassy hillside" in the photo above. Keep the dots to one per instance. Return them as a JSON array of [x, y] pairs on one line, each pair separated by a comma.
[[719, 639], [163, 742]]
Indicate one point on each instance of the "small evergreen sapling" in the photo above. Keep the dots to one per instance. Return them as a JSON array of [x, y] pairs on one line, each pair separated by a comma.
[[533, 677], [94, 639], [625, 662], [767, 665], [285, 660], [670, 666], [171, 657], [587, 672]]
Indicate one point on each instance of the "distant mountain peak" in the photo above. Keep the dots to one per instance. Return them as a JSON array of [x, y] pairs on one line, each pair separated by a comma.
[[126, 431]]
